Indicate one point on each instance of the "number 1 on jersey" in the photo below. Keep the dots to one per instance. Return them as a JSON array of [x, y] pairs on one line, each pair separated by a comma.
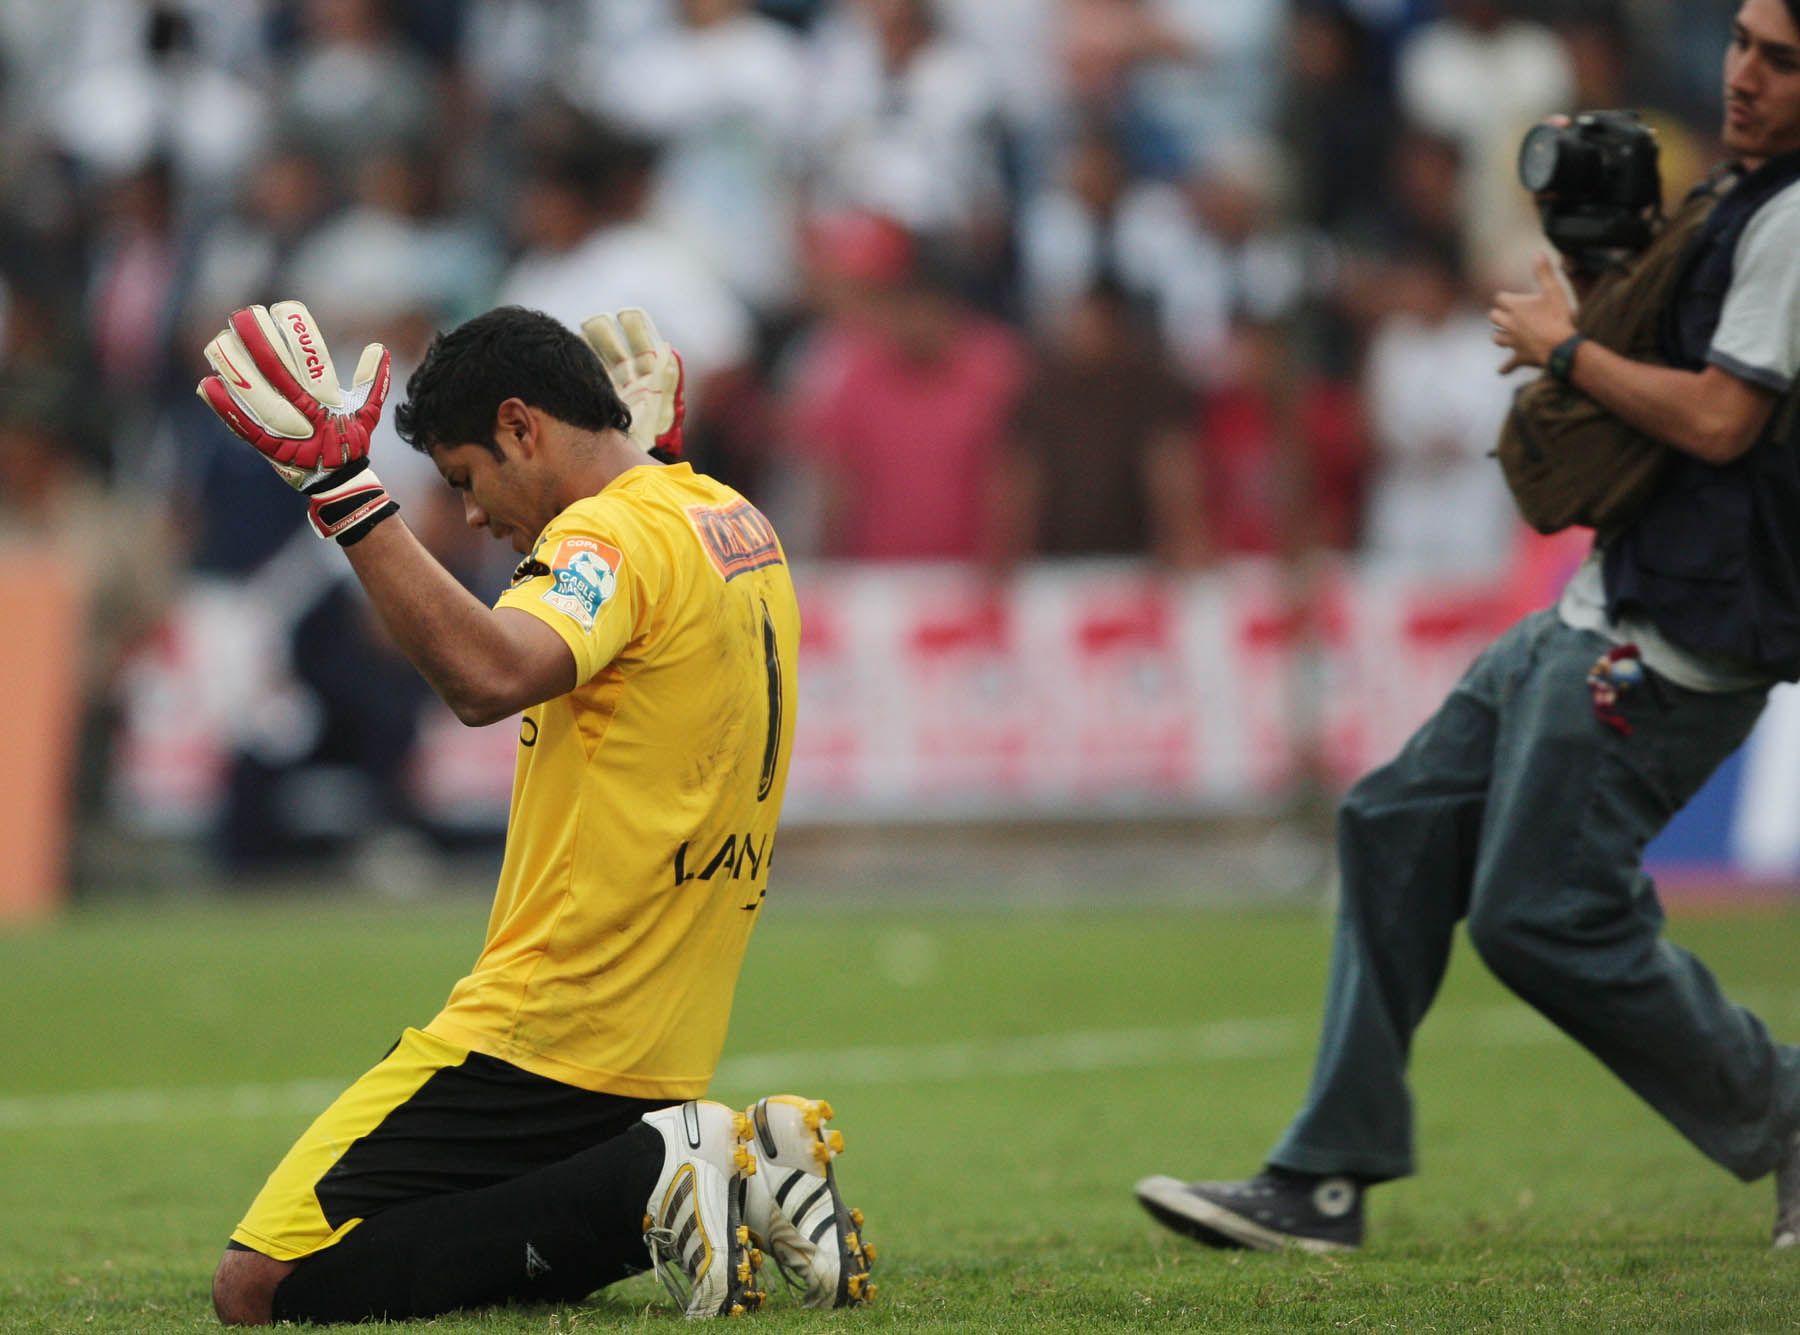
[[772, 746]]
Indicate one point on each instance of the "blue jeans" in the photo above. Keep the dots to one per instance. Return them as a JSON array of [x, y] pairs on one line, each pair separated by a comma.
[[1517, 808]]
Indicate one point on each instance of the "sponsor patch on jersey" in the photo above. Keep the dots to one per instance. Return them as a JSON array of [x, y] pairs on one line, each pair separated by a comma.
[[736, 537], [584, 573]]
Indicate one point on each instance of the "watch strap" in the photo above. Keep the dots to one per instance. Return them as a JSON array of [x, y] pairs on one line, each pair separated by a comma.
[[1561, 361]]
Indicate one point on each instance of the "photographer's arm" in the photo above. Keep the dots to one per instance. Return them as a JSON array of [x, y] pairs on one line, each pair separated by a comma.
[[1710, 414]]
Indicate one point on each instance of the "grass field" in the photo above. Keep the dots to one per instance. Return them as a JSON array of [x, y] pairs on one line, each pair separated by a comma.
[[1002, 1078]]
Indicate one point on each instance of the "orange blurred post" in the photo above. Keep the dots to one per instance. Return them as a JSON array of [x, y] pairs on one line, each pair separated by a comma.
[[40, 693]]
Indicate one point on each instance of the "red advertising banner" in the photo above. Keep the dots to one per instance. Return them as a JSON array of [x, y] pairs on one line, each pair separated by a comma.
[[936, 692]]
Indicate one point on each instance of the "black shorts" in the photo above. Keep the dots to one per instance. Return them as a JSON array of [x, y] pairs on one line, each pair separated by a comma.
[[429, 1118]]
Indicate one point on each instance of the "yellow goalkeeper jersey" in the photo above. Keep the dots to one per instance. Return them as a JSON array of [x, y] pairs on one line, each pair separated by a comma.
[[645, 800]]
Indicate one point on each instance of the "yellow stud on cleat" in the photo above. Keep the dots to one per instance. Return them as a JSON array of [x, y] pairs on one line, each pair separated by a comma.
[[869, 1293], [868, 1252], [856, 1216], [854, 1286], [835, 1139]]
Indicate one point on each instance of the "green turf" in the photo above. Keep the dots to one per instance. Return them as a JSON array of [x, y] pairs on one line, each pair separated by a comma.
[[1002, 1079]]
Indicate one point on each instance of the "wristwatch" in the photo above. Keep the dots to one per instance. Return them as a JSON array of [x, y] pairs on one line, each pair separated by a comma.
[[1561, 361]]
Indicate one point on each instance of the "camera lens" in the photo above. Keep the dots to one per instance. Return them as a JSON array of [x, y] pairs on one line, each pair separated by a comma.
[[1560, 160], [1540, 155]]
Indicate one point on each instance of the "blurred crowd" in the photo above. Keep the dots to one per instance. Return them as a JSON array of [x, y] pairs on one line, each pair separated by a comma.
[[986, 280]]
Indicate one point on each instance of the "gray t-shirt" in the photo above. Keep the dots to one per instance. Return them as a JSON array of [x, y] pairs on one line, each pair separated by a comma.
[[1758, 338]]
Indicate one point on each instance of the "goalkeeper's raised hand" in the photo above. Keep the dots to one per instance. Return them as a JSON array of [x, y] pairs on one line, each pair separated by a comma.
[[646, 372], [274, 385]]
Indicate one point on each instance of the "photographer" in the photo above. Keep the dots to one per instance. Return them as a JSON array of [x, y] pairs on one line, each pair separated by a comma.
[[1525, 803]]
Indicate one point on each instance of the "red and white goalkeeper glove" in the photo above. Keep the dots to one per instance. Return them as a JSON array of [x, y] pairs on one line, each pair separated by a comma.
[[646, 372], [275, 387]]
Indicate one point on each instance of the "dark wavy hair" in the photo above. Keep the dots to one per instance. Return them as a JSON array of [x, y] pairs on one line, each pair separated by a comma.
[[507, 353]]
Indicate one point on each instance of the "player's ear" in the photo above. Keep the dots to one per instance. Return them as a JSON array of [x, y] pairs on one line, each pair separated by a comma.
[[515, 427]]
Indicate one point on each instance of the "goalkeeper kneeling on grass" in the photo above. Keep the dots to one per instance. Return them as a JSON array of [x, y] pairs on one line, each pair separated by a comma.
[[544, 1136]]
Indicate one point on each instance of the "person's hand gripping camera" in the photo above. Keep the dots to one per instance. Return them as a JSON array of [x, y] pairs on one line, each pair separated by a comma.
[[1537, 328], [275, 386]]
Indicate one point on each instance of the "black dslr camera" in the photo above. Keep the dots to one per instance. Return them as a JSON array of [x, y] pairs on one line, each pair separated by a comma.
[[1597, 184]]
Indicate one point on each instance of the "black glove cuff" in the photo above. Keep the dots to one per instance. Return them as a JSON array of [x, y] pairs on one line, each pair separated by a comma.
[[336, 478], [351, 536]]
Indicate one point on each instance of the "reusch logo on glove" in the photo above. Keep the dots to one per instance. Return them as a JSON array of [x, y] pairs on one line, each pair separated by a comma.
[[315, 366]]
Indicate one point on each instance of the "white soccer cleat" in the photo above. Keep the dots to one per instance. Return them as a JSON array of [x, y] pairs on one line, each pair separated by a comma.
[[694, 1220], [793, 1206]]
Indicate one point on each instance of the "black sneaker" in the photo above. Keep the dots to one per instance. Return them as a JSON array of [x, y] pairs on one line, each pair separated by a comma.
[[1272, 1211], [1787, 1194]]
